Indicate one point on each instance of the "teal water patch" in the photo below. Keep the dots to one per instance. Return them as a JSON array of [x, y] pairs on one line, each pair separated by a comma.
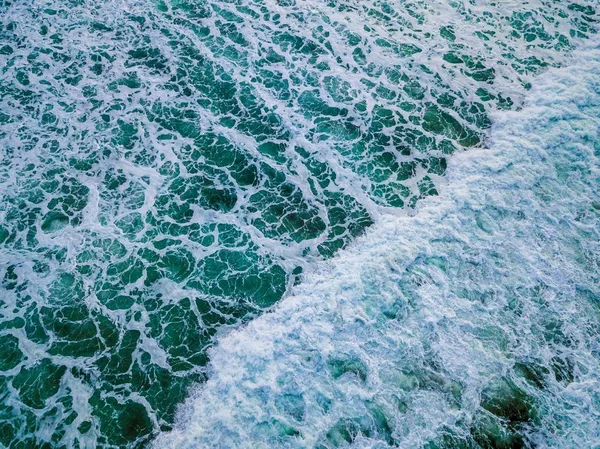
[[473, 324], [169, 169]]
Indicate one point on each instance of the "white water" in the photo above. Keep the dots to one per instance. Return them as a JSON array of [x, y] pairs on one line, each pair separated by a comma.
[[429, 312]]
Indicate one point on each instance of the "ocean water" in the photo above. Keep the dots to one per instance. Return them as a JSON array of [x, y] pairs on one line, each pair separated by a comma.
[[473, 324], [170, 170]]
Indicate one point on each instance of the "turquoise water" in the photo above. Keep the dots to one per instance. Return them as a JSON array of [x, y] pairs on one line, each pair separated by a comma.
[[170, 170], [473, 324]]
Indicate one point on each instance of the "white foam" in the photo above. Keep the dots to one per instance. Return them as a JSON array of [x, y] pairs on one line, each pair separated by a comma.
[[464, 289]]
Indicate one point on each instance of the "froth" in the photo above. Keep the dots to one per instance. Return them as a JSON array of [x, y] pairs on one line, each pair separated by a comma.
[[474, 321]]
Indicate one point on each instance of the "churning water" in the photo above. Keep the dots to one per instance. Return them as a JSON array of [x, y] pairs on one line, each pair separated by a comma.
[[170, 169]]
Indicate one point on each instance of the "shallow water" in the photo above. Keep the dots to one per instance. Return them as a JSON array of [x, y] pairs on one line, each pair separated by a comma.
[[170, 169]]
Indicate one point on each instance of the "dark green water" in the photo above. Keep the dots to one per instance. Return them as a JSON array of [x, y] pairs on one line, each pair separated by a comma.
[[168, 170]]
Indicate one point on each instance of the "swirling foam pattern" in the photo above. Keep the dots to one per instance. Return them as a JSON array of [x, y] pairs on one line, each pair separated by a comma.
[[169, 169], [474, 324]]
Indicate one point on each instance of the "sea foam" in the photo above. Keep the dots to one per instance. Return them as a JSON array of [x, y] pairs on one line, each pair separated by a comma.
[[474, 322], [169, 169]]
